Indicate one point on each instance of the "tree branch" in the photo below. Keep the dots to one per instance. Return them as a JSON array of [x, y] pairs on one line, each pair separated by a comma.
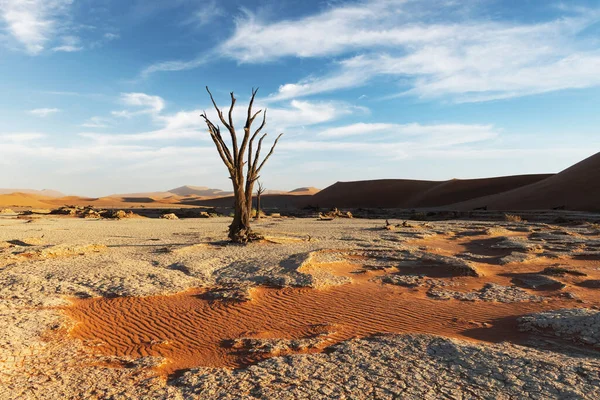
[[229, 126], [270, 152], [248, 125]]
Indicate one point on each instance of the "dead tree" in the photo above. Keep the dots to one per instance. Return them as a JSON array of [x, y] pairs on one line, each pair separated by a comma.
[[261, 189], [240, 155]]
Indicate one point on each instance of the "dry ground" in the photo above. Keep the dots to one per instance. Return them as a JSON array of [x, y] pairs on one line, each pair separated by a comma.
[[148, 308]]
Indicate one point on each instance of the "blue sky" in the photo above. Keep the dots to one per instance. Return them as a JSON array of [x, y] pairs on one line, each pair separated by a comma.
[[104, 96]]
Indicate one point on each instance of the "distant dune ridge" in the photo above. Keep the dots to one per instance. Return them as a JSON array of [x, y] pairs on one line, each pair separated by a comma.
[[44, 192], [403, 193], [199, 191], [575, 188]]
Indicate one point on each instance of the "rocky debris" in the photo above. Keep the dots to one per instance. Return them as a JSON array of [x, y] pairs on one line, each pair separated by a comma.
[[579, 325], [407, 367], [278, 346], [334, 213], [490, 292], [515, 257], [561, 270], [195, 213], [169, 216], [591, 283], [37, 211], [416, 281], [118, 214], [519, 244], [229, 292], [7, 211], [458, 266], [89, 213], [67, 210], [537, 282]]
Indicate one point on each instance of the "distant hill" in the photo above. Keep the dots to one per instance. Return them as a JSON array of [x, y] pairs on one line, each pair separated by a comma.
[[305, 191], [575, 188], [44, 192], [199, 191], [404, 193]]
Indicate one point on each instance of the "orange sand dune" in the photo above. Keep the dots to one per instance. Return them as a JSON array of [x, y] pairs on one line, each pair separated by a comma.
[[280, 201], [25, 200], [575, 188], [44, 192], [190, 331], [401, 193], [305, 191], [199, 191]]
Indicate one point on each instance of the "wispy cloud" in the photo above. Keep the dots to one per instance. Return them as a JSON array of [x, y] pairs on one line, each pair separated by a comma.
[[34, 23], [166, 66], [44, 112], [70, 44], [206, 14], [96, 122], [467, 58], [20, 137], [142, 102]]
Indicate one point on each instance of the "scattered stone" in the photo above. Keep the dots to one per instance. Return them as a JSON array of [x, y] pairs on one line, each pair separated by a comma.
[[490, 292], [38, 211], [559, 270], [537, 282], [334, 213], [169, 216], [118, 214], [579, 325], [458, 266], [238, 293], [416, 281], [7, 211], [515, 257]]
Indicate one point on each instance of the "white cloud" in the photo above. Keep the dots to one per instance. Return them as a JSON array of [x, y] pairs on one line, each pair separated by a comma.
[[95, 122], [44, 112], [396, 140], [70, 44], [167, 66], [145, 103], [33, 23], [20, 137], [440, 131], [467, 58], [111, 36], [189, 124], [206, 14]]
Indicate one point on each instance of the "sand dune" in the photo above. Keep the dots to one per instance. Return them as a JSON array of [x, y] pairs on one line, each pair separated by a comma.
[[199, 191], [305, 191], [402, 193], [575, 188], [25, 200], [44, 192], [280, 201]]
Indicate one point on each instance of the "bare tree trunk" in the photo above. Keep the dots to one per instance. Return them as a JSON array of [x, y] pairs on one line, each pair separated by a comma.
[[235, 159], [239, 230]]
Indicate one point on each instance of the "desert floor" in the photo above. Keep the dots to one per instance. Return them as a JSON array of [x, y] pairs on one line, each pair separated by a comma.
[[165, 309]]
